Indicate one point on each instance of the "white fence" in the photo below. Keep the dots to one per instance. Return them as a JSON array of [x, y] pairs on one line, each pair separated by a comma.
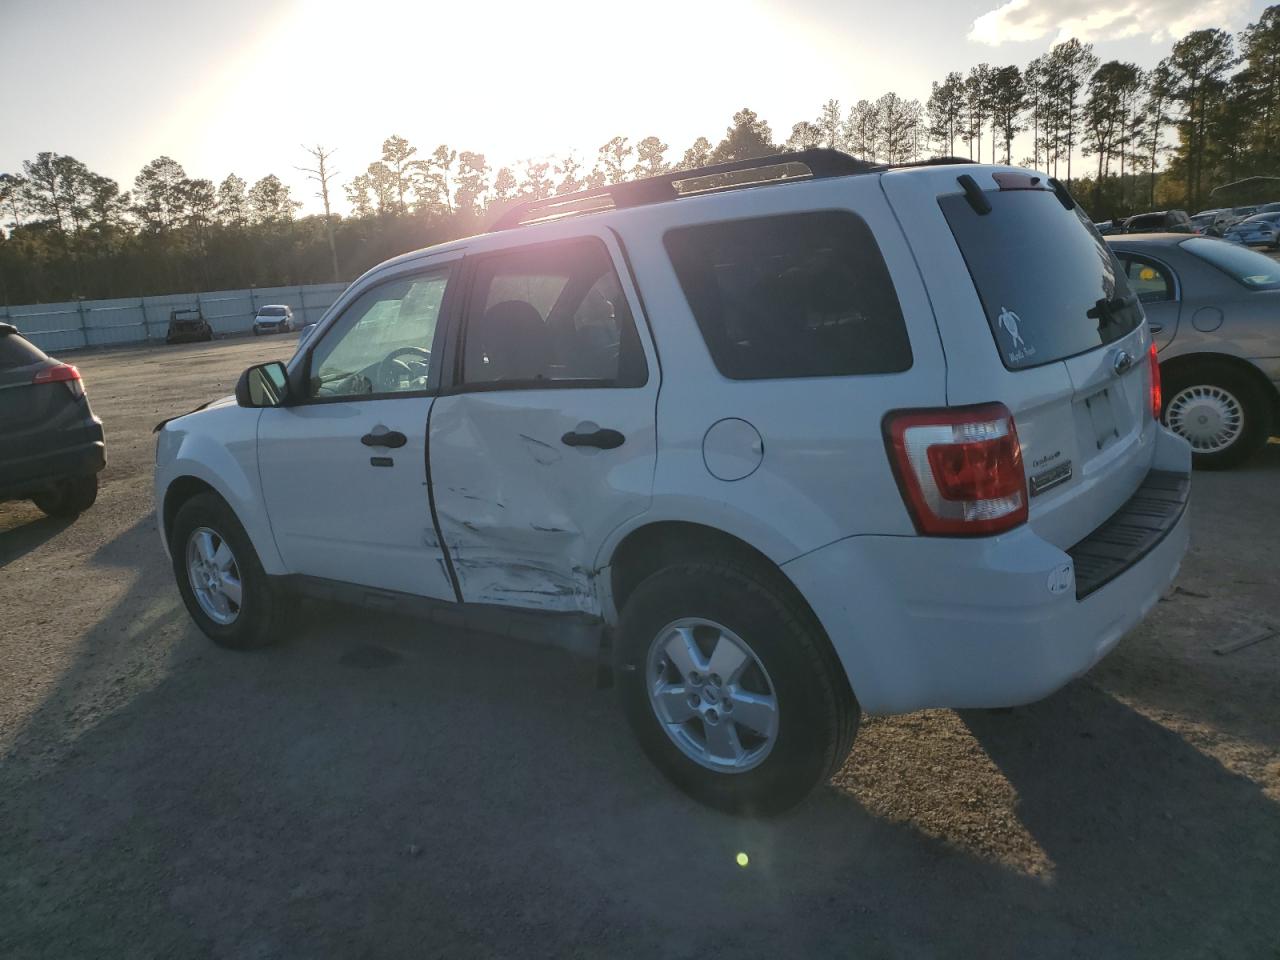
[[59, 327]]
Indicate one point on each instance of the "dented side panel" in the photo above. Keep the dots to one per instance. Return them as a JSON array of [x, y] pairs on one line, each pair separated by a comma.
[[522, 514]]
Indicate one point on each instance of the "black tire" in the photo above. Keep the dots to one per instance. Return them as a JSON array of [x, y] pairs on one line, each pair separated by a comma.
[[263, 611], [817, 712], [1256, 408], [68, 498]]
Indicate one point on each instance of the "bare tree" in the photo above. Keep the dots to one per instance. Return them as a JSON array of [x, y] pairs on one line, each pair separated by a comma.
[[322, 173]]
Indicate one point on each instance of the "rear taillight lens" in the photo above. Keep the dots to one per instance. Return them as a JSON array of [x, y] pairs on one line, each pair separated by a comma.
[[62, 373], [1154, 366], [959, 469]]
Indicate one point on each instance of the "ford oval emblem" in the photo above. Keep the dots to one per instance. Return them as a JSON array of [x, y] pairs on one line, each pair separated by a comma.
[[1122, 362]]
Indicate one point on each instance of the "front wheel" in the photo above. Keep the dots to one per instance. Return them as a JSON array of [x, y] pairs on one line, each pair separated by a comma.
[[732, 688], [221, 580], [1219, 410]]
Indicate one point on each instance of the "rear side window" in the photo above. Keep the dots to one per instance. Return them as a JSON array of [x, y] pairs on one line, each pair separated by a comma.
[[1049, 285], [16, 352], [1149, 280], [800, 295]]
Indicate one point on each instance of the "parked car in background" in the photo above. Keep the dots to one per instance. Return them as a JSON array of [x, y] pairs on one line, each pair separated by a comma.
[[188, 325], [1214, 312], [1269, 208], [51, 444], [1211, 223], [1241, 213], [1260, 230], [1164, 221], [273, 318], [829, 496]]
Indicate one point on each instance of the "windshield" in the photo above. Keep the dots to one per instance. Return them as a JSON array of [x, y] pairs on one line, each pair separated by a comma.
[[1048, 282], [1245, 266], [271, 312]]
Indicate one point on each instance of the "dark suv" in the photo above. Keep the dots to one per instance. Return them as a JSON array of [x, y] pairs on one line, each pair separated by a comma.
[[51, 445], [1165, 221]]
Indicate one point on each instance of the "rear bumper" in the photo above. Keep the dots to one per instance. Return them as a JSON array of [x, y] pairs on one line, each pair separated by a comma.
[[933, 622], [22, 476]]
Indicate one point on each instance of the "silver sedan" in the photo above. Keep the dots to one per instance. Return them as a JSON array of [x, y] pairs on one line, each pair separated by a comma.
[[1214, 311]]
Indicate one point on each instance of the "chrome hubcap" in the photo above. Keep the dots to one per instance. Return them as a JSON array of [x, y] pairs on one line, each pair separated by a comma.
[[214, 575], [1209, 417], [712, 695]]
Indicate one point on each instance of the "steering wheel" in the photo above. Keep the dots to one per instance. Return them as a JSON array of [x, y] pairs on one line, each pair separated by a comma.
[[392, 371]]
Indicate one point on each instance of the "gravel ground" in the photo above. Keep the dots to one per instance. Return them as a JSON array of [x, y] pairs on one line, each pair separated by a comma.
[[379, 787]]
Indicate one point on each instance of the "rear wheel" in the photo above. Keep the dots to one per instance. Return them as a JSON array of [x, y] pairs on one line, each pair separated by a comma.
[[220, 578], [68, 498], [1219, 410], [732, 688]]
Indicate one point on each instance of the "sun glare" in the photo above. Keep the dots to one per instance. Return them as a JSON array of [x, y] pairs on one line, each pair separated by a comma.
[[513, 81]]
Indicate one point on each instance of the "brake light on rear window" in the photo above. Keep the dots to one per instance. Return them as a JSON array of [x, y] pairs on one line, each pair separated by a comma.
[[959, 469], [62, 373], [1154, 366]]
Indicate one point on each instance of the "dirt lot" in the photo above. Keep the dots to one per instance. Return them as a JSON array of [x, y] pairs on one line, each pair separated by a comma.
[[381, 787]]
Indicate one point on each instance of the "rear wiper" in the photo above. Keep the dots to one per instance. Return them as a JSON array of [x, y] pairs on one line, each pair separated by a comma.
[[1106, 309]]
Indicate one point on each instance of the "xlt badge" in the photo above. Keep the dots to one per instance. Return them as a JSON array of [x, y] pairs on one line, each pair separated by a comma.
[[1050, 478]]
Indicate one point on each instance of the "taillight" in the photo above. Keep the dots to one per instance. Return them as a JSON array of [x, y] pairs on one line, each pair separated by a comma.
[[62, 373], [1154, 366], [959, 469]]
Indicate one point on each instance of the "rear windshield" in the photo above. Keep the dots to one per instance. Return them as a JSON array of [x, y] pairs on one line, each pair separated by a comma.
[[271, 312], [1048, 283], [1245, 266], [796, 295], [16, 352]]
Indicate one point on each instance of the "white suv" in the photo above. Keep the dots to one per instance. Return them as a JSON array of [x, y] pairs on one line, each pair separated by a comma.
[[793, 438]]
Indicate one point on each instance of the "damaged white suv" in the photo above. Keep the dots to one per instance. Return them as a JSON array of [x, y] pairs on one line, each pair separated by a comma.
[[793, 438]]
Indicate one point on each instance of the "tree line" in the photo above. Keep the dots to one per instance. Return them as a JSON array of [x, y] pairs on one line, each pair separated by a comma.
[[1126, 139]]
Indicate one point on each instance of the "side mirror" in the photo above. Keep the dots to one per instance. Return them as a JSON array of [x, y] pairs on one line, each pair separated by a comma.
[[264, 385]]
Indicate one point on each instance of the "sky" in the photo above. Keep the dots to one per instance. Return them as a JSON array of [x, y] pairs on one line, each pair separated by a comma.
[[240, 85]]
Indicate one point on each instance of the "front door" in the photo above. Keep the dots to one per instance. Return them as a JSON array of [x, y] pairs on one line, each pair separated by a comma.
[[547, 443], [344, 468]]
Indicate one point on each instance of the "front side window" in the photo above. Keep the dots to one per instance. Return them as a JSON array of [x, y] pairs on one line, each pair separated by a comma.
[[1151, 281], [798, 295], [382, 342], [551, 315], [1247, 267]]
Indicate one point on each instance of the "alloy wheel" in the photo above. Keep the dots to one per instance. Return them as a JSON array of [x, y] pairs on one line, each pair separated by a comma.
[[214, 575], [712, 695]]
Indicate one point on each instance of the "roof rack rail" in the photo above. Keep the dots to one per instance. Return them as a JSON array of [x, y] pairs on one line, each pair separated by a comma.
[[816, 164], [933, 162]]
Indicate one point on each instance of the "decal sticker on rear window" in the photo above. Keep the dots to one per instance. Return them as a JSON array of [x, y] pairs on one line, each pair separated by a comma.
[[1019, 351]]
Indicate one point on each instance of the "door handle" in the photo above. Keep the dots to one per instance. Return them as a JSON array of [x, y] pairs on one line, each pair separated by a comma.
[[387, 438], [605, 439]]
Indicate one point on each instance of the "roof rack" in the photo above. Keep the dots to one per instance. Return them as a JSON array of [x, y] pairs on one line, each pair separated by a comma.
[[816, 164]]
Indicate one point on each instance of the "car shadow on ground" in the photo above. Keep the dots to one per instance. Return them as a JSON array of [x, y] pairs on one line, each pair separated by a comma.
[[22, 530], [382, 786]]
